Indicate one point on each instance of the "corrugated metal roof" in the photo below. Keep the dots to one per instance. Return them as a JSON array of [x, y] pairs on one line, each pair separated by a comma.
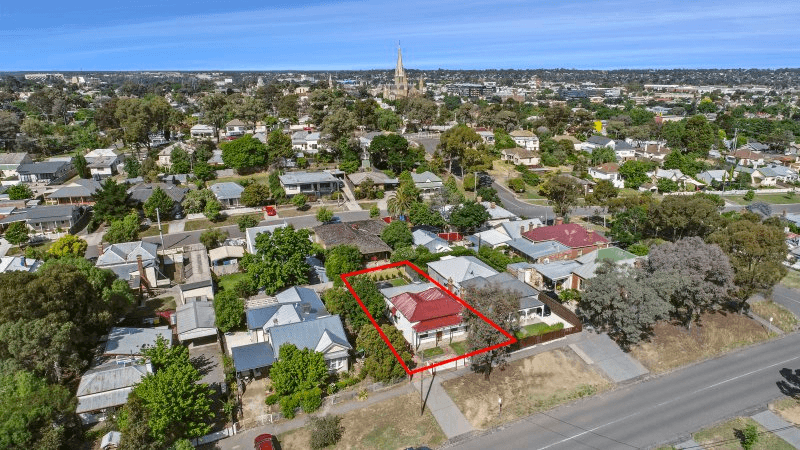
[[129, 341], [252, 356], [307, 334]]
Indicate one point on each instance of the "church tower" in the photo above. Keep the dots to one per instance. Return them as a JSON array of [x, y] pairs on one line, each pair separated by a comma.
[[400, 80]]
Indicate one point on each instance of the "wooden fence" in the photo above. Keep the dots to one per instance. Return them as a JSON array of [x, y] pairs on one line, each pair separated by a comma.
[[559, 310]]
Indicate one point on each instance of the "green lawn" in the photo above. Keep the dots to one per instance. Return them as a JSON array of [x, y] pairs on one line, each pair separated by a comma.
[[205, 224], [152, 230], [227, 282], [459, 347], [398, 282], [537, 329], [432, 352]]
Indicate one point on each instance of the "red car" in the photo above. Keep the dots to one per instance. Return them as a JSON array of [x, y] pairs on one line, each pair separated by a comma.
[[264, 442], [270, 210]]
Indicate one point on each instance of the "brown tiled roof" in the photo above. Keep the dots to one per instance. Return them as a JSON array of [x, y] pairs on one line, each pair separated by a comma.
[[364, 234]]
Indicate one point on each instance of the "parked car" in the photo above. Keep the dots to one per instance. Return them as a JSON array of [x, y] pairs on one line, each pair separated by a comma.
[[334, 219], [265, 442], [270, 210]]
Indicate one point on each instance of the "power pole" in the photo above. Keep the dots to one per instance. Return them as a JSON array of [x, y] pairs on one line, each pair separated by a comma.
[[160, 232]]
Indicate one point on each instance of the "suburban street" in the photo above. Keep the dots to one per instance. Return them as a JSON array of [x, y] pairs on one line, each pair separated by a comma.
[[663, 410]]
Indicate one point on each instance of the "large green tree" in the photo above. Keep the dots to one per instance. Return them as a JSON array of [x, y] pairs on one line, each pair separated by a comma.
[[279, 145], [756, 251], [19, 192], [699, 135], [68, 245], [562, 194], [111, 201], [244, 153], [342, 259], [635, 173], [17, 233], [683, 216], [421, 214], [161, 202], [622, 301], [297, 370], [340, 301], [468, 215], [177, 405], [380, 363], [455, 141], [280, 259], [397, 234], [229, 310], [124, 230]]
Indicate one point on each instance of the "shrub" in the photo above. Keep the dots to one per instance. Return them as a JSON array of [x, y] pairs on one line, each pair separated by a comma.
[[749, 435], [246, 222], [749, 195], [272, 399], [374, 212], [311, 400], [379, 195], [289, 404], [325, 431], [363, 394], [517, 184], [246, 287]]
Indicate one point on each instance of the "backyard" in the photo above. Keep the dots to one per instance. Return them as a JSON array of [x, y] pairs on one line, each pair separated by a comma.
[[228, 282], [538, 329], [388, 425], [533, 384], [673, 345]]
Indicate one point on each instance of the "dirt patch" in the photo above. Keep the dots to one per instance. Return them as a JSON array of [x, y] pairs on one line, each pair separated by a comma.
[[788, 408], [253, 405], [388, 425], [728, 436], [526, 386], [672, 345]]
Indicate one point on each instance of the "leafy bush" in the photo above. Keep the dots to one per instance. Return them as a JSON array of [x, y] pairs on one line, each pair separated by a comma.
[[272, 399], [749, 435], [311, 400], [374, 212], [289, 404], [517, 184], [246, 222], [325, 431], [749, 195], [246, 287]]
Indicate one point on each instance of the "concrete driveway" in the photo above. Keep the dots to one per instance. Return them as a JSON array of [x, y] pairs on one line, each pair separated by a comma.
[[599, 350]]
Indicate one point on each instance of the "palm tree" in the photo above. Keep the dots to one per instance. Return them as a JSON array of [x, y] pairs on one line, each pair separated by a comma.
[[400, 204]]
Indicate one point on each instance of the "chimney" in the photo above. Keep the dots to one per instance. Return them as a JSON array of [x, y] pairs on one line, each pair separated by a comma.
[[142, 275], [493, 205], [559, 220], [100, 249], [522, 228], [450, 284], [530, 226]]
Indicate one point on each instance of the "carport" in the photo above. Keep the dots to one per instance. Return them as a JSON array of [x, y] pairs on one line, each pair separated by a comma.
[[252, 360]]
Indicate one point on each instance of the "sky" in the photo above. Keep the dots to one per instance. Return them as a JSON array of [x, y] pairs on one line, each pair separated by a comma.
[[353, 35]]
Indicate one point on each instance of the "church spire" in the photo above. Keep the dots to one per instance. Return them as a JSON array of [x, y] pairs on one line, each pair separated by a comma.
[[400, 80]]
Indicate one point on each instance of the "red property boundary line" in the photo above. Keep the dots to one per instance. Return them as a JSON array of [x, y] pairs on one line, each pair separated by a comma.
[[345, 276]]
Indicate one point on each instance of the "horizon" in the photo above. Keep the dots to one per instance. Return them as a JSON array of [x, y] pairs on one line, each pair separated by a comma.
[[314, 35]]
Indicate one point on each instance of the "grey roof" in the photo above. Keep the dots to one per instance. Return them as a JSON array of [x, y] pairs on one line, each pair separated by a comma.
[[620, 144], [12, 158], [592, 260], [538, 250], [108, 385], [110, 438], [430, 240], [253, 232], [307, 177], [193, 316], [490, 237], [127, 252], [55, 212], [426, 180], [18, 264], [528, 296], [378, 177], [227, 190], [252, 356], [712, 175], [296, 304], [556, 270], [130, 341], [461, 268], [497, 212], [768, 172], [78, 188], [512, 228], [309, 334], [599, 140], [142, 192], [44, 167], [412, 288], [364, 234], [102, 162]]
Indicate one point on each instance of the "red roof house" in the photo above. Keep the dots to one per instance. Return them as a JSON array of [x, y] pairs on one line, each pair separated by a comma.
[[427, 317], [574, 236]]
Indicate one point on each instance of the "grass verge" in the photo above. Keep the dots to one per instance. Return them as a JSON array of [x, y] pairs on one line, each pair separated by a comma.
[[526, 386], [387, 425], [782, 317], [788, 408], [792, 279], [673, 345], [728, 436]]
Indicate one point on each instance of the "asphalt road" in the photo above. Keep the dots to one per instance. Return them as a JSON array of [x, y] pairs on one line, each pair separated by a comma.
[[521, 208], [787, 297], [661, 410]]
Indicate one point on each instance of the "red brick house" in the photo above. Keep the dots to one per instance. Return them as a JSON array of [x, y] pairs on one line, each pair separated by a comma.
[[580, 240]]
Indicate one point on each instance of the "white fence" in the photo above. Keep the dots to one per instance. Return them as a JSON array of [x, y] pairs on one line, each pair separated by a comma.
[[740, 192]]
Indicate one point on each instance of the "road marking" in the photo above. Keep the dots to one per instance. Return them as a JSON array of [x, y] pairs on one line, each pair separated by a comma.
[[786, 297], [592, 430]]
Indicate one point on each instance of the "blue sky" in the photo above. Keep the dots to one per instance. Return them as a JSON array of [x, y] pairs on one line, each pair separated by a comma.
[[453, 34]]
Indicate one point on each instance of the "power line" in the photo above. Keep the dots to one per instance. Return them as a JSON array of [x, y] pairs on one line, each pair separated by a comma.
[[589, 431]]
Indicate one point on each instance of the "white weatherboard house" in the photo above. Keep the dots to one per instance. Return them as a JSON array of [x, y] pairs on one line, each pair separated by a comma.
[[425, 314], [309, 183]]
